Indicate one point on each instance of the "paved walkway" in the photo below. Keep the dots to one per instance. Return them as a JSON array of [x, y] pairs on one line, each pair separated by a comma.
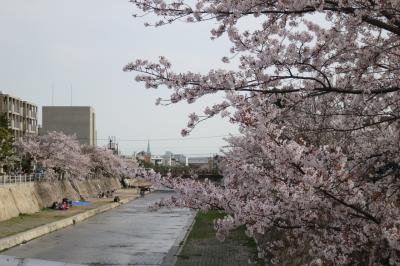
[[128, 235]]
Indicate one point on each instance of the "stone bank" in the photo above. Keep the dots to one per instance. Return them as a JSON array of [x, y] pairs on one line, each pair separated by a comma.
[[28, 198]]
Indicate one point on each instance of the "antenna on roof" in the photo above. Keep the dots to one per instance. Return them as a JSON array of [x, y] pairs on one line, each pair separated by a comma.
[[52, 93], [70, 85]]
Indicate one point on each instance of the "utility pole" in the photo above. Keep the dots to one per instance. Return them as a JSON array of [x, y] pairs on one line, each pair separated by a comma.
[[113, 145]]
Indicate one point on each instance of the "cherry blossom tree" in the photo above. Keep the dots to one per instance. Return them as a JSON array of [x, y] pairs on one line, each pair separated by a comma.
[[316, 95], [59, 155], [106, 164]]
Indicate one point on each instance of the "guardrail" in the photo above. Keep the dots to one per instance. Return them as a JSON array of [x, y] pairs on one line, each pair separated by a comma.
[[19, 179]]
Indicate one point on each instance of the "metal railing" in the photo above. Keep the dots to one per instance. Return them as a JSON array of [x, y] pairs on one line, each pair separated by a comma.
[[20, 178]]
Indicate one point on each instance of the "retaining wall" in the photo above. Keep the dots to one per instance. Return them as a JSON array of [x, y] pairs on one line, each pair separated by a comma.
[[16, 199]]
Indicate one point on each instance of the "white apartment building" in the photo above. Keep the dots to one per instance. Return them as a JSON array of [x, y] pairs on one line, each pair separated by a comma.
[[21, 114], [71, 120]]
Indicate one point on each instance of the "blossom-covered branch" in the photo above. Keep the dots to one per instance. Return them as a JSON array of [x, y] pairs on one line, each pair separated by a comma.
[[316, 95]]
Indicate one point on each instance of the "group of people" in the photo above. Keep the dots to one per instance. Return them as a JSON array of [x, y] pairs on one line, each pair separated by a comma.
[[107, 194], [63, 205]]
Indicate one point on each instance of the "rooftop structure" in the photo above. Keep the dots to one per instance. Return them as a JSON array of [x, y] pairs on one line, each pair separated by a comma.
[[148, 147]]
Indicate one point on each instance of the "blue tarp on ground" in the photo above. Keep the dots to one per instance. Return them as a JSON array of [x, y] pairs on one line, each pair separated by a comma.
[[80, 203]]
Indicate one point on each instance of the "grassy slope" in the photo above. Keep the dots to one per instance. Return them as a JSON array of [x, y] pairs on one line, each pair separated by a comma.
[[201, 244]]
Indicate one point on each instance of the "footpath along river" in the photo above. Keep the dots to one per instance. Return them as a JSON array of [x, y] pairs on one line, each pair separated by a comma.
[[129, 235]]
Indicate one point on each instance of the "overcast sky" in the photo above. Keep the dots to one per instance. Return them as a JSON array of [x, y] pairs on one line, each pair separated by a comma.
[[85, 45]]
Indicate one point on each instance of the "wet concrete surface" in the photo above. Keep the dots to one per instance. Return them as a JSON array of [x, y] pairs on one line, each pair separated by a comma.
[[129, 235]]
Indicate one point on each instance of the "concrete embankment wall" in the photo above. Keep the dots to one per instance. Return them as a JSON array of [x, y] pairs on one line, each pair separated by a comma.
[[32, 197]]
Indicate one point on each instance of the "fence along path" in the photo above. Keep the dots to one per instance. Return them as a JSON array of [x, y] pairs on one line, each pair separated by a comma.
[[19, 178]]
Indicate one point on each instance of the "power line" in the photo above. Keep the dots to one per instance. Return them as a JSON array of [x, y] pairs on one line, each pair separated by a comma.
[[162, 139]]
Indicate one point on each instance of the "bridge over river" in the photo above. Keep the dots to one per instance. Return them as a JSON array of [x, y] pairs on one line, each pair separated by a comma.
[[129, 235]]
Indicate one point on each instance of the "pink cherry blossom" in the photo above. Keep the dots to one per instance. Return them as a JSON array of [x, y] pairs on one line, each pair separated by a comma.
[[62, 156], [56, 153], [316, 96]]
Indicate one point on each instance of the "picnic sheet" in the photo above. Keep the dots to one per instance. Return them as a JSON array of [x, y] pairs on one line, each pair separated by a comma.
[[80, 203]]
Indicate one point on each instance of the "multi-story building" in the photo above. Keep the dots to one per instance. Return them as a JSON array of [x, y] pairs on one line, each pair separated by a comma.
[[71, 120], [21, 114]]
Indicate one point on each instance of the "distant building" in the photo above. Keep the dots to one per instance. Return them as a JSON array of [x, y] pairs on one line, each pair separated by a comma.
[[209, 164], [21, 114], [140, 155], [170, 159], [144, 156], [147, 156], [78, 120], [180, 158], [199, 161], [156, 160]]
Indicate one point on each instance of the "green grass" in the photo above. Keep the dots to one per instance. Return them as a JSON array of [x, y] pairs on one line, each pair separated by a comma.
[[203, 233], [183, 257], [204, 228], [204, 225], [23, 215]]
